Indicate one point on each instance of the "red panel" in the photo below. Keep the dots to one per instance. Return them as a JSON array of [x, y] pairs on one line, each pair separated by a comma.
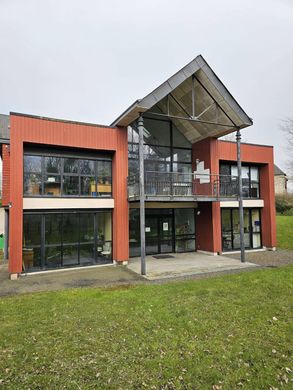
[[211, 151], [49, 132], [5, 174]]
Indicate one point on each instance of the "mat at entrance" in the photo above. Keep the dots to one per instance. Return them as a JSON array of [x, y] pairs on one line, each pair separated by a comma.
[[163, 257]]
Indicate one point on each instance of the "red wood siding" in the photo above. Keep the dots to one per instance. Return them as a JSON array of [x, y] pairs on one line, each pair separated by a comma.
[[49, 132]]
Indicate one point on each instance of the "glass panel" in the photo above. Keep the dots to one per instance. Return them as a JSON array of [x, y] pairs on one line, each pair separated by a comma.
[[157, 153], [87, 254], [31, 258], [134, 232], [88, 186], [70, 185], [71, 165], [236, 229], [184, 222], [86, 227], [256, 240], [185, 245], [31, 253], [53, 164], [151, 234], [52, 185], [254, 174], [166, 246], [184, 172], [32, 229], [179, 139], [132, 134], [104, 236], [70, 255], [226, 230], [133, 167], [70, 237], [32, 184], [53, 256], [53, 229], [32, 164], [87, 167], [70, 225], [104, 178], [157, 132], [182, 155], [255, 220]]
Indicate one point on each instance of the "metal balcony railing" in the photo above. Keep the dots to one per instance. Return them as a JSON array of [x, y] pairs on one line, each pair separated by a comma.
[[186, 185]]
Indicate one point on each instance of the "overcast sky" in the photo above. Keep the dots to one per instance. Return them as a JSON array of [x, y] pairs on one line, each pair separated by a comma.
[[89, 60]]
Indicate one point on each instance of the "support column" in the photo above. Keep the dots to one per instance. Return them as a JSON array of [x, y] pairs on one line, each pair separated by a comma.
[[240, 196], [142, 195]]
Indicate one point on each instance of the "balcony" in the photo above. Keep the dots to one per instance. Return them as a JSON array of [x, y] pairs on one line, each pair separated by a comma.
[[174, 186]]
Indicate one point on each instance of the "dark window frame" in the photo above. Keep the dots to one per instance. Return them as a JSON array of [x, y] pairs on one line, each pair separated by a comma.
[[249, 166], [44, 173], [250, 209], [43, 245]]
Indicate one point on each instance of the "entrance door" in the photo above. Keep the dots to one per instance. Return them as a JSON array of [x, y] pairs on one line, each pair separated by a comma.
[[165, 234], [158, 234]]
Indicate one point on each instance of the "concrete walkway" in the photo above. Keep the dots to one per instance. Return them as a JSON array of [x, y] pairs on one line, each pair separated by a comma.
[[102, 276], [185, 264]]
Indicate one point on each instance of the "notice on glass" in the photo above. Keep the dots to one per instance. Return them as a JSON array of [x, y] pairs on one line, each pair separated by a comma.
[[147, 229], [165, 226]]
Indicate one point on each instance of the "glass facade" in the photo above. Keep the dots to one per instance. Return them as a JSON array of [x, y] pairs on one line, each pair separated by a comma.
[[231, 229], [56, 240], [166, 230], [250, 179], [165, 148], [57, 176]]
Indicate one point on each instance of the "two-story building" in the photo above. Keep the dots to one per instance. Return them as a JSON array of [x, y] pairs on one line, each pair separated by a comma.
[[72, 191]]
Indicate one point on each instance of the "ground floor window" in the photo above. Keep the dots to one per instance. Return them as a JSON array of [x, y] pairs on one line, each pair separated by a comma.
[[231, 229], [56, 240], [166, 230]]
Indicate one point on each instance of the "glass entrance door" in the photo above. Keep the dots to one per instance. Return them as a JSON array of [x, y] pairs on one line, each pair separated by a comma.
[[165, 234], [158, 234]]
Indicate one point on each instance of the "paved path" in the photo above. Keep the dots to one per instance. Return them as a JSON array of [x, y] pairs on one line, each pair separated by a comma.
[[105, 276], [186, 264]]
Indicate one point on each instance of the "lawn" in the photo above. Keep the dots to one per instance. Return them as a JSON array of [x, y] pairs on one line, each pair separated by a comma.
[[227, 332], [285, 232]]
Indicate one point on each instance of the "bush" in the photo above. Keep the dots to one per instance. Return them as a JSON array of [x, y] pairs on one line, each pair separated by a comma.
[[284, 204], [288, 212]]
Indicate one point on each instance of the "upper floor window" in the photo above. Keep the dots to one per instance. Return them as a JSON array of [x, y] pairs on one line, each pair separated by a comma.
[[67, 176], [249, 175], [165, 148]]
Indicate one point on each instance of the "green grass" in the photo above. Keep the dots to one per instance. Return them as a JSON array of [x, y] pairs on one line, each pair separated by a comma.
[[285, 232], [232, 331]]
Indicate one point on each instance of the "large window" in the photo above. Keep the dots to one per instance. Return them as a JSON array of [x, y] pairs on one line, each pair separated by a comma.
[[165, 149], [231, 229], [55, 240], [250, 180], [54, 175]]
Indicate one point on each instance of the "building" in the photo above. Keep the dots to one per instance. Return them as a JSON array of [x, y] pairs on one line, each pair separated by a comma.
[[73, 192], [281, 181]]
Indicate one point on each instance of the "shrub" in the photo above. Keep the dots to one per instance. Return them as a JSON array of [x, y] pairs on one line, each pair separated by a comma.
[[284, 203]]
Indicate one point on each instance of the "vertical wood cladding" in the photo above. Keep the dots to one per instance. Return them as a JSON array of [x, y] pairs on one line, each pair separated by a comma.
[[5, 174], [25, 129]]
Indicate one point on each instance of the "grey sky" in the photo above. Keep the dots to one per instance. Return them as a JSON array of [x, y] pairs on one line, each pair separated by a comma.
[[88, 60]]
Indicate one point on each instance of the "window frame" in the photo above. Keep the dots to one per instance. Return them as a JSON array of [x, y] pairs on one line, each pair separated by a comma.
[[62, 174]]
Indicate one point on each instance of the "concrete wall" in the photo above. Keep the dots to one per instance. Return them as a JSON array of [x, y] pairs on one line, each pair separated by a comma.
[[281, 185]]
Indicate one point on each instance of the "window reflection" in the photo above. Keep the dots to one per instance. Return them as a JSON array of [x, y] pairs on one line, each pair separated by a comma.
[[59, 176]]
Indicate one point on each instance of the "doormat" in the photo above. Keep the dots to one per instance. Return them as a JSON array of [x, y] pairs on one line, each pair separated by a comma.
[[163, 257]]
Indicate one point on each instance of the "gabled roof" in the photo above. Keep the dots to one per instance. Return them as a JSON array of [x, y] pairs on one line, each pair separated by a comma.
[[215, 112], [278, 171]]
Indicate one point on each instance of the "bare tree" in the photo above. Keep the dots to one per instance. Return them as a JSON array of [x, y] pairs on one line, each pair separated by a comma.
[[287, 128]]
